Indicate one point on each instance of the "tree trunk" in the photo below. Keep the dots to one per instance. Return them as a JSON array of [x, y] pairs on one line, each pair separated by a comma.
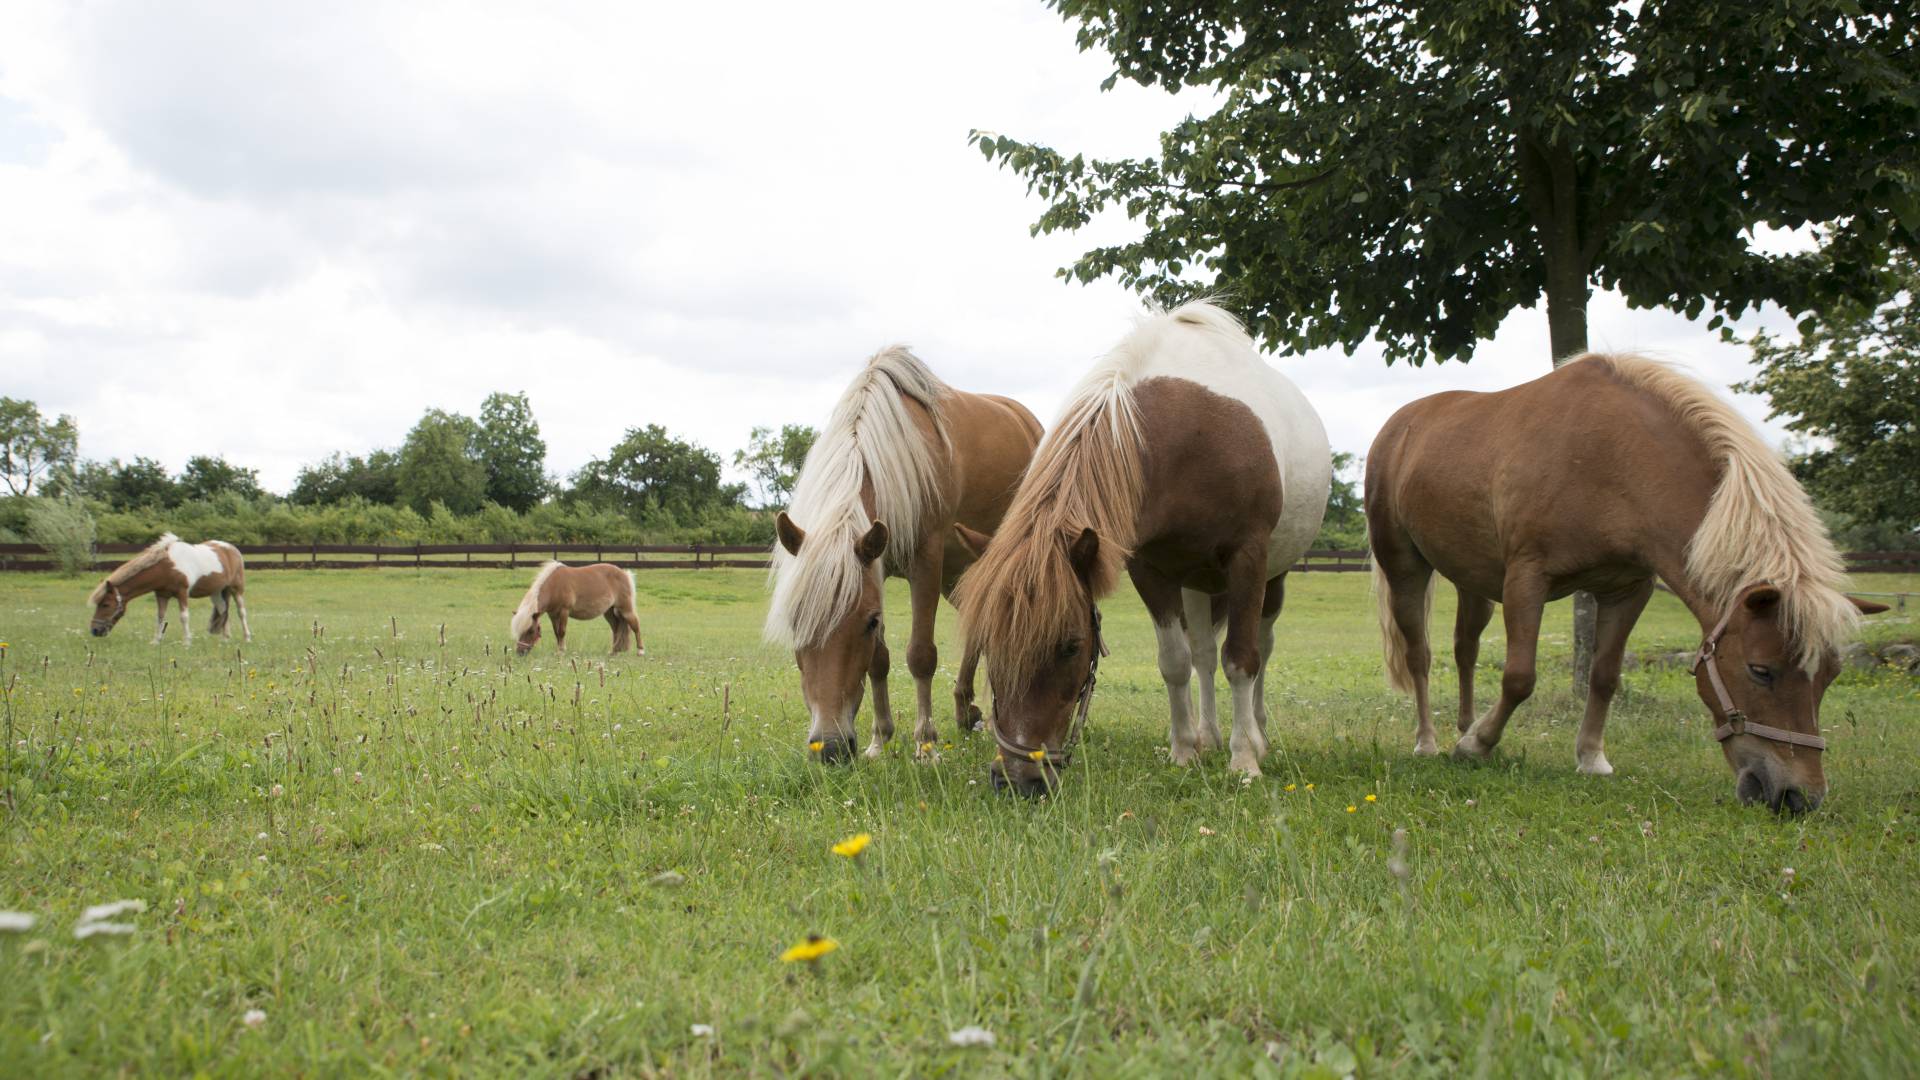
[[1569, 235]]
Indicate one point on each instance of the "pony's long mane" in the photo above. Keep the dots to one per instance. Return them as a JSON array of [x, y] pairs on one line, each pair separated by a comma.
[[870, 443], [1760, 525], [523, 615], [1022, 596], [155, 552]]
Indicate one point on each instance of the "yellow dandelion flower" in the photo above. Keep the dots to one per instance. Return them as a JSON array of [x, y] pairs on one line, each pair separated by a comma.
[[926, 748], [809, 950], [1373, 798], [816, 746], [1289, 787], [852, 845], [1351, 808], [1309, 787], [1038, 755]]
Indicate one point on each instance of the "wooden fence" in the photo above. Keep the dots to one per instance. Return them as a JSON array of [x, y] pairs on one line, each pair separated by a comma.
[[29, 557]]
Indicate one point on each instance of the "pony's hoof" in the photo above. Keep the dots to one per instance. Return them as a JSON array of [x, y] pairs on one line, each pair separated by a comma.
[[1470, 748], [875, 750], [1180, 755], [1208, 738], [926, 754], [1247, 766], [971, 719], [1426, 747], [1595, 765]]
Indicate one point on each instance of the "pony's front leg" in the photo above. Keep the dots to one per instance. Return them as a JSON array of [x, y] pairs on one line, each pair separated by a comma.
[[1202, 645], [186, 620], [882, 706], [1245, 598], [1163, 602], [966, 715], [246, 630], [1615, 621], [923, 656], [1522, 596], [559, 621], [160, 617]]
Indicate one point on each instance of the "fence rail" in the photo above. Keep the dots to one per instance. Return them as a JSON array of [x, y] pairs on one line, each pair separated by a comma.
[[32, 557]]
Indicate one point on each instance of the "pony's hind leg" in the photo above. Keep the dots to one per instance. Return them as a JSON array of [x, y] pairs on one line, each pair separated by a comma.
[[619, 627], [1469, 622], [1269, 613], [160, 617], [240, 605], [1246, 589], [1522, 596], [217, 621], [1615, 621], [1202, 645], [186, 620], [1403, 591], [882, 705]]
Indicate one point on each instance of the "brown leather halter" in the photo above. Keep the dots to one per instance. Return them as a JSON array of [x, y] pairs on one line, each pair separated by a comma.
[[1736, 722], [1062, 757]]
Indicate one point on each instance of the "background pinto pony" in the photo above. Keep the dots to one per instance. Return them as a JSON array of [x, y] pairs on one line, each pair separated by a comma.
[[1185, 458], [903, 457], [173, 569], [561, 592], [1602, 476]]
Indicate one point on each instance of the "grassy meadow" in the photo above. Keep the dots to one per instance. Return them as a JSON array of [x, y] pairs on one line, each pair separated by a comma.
[[415, 854]]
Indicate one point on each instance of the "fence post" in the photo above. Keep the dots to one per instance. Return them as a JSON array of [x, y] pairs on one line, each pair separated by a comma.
[[513, 555], [416, 554]]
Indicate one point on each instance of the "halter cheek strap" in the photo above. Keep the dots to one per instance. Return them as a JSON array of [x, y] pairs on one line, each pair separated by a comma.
[[1736, 722], [1062, 757]]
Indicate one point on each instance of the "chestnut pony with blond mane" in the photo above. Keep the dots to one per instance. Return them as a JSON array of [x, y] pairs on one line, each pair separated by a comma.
[[172, 569], [1183, 457], [1602, 476], [902, 459], [561, 592]]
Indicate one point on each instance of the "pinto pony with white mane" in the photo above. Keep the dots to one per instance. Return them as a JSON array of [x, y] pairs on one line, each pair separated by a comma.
[[1185, 458], [1602, 476], [901, 460], [561, 592], [172, 569]]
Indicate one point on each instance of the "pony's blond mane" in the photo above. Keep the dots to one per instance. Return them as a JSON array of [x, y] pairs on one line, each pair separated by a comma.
[[1022, 597], [523, 615], [1760, 525], [155, 552], [870, 443]]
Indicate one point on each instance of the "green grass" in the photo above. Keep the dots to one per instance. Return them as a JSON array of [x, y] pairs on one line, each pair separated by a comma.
[[459, 872]]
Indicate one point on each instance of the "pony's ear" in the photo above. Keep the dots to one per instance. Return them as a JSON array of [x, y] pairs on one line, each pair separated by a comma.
[[973, 540], [1761, 600], [1867, 607], [872, 545], [791, 535], [1084, 555]]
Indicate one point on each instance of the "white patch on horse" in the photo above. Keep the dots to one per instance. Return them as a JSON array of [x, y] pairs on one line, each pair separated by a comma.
[[194, 561]]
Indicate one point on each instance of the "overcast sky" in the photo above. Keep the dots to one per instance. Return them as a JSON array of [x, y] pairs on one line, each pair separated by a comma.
[[271, 231]]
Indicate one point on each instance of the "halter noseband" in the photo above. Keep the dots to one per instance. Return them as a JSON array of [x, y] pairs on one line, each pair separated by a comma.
[[1062, 757], [1736, 721]]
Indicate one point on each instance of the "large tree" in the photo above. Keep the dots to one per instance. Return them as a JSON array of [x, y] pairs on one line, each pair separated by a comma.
[[338, 477], [33, 447], [207, 477], [773, 459], [649, 469], [512, 452], [439, 464], [1413, 171], [140, 484], [1852, 383]]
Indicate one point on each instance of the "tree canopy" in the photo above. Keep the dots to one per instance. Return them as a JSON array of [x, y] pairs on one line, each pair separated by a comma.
[[1414, 171], [33, 447], [650, 469], [439, 464], [773, 459], [512, 452], [1852, 382]]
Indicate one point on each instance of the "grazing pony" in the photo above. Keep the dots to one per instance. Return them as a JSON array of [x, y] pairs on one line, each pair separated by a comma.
[[1602, 476], [561, 592], [902, 459], [172, 569], [1185, 458]]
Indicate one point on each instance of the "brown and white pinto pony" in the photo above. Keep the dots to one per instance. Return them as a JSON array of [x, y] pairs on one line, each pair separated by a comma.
[[172, 569], [903, 457], [1602, 476], [561, 592], [1185, 458]]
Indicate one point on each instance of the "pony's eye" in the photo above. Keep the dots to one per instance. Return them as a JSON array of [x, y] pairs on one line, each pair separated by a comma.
[[1069, 650], [1760, 674], [873, 624]]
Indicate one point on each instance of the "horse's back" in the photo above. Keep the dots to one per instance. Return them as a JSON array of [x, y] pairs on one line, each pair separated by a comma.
[[992, 439]]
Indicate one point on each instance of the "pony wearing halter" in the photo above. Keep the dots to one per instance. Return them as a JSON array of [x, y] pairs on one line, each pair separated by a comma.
[[174, 570], [1610, 472], [1187, 461], [561, 592], [901, 459]]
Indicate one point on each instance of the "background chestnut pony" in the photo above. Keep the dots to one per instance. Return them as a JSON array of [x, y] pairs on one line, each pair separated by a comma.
[[561, 592], [1602, 476], [903, 457], [172, 569], [1184, 457]]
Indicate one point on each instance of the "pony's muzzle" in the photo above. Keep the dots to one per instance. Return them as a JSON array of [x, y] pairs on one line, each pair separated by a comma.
[[836, 750], [1022, 778], [1755, 785]]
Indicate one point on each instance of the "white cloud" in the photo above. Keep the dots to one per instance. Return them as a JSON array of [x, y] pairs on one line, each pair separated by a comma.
[[273, 231]]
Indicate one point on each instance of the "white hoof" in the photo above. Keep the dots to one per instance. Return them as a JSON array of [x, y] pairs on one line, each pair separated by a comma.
[[1245, 764], [1595, 764], [1470, 748], [1424, 746], [875, 751], [1183, 755]]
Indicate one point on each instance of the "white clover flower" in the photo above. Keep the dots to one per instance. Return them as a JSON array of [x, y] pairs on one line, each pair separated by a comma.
[[17, 922], [971, 1035], [110, 929], [702, 1031], [99, 912], [254, 1018]]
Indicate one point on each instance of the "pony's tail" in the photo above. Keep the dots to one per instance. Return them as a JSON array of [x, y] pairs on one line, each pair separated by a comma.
[[633, 604], [529, 608], [1393, 643], [220, 605]]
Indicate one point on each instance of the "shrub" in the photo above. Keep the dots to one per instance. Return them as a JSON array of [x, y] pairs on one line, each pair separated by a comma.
[[64, 527]]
